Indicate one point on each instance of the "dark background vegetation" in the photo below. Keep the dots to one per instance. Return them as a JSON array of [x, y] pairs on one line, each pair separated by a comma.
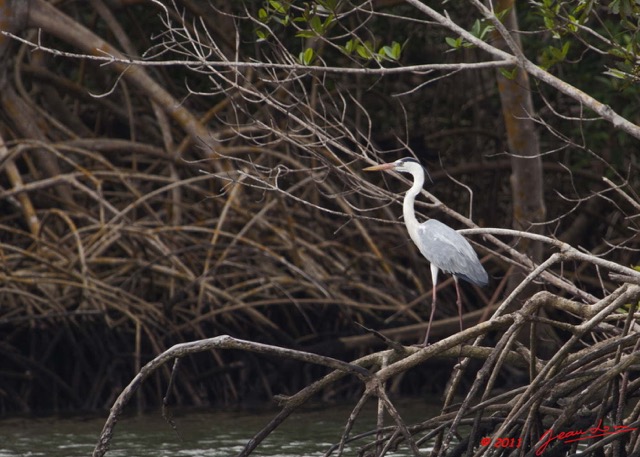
[[126, 228]]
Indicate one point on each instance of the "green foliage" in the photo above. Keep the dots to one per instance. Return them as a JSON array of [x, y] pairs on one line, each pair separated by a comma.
[[366, 50], [613, 29], [306, 57], [625, 73], [551, 55], [316, 20], [455, 42], [273, 12], [509, 74], [625, 8], [392, 52], [480, 29]]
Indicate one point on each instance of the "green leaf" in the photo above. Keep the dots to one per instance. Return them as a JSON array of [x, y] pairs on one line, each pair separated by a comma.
[[390, 52], [307, 56], [509, 74], [262, 35], [277, 6], [328, 22], [549, 23], [552, 55], [453, 42], [386, 51], [328, 5], [501, 14], [616, 73], [618, 53], [306, 34], [350, 46], [615, 6], [396, 50], [262, 14], [475, 30], [363, 52], [316, 25], [486, 29]]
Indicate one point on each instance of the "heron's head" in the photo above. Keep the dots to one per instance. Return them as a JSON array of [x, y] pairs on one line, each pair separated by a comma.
[[406, 165]]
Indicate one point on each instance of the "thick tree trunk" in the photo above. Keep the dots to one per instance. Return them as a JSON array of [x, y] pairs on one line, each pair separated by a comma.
[[526, 166], [526, 162]]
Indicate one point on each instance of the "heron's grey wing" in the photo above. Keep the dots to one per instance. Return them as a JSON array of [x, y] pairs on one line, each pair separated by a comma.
[[450, 252]]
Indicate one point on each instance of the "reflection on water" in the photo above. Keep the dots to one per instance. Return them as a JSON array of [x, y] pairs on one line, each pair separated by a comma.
[[309, 433]]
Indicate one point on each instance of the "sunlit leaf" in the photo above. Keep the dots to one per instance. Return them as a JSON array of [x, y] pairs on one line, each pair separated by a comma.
[[396, 50], [277, 6], [306, 57], [363, 52], [453, 42]]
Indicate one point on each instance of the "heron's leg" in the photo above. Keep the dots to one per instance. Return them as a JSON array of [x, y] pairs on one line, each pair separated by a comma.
[[433, 311], [434, 282], [459, 300]]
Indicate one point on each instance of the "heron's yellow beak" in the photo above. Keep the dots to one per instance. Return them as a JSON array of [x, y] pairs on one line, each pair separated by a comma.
[[384, 166]]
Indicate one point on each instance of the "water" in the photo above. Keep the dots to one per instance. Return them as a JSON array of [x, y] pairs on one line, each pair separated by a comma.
[[308, 433]]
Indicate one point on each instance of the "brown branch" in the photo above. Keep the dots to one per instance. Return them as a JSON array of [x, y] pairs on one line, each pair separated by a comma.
[[47, 17], [219, 342]]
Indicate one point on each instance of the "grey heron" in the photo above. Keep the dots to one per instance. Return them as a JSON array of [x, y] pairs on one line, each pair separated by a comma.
[[442, 246]]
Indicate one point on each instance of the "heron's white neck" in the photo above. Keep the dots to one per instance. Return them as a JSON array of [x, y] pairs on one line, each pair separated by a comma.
[[407, 207]]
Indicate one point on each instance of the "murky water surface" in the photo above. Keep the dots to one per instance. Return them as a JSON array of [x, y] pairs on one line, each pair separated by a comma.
[[308, 433]]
